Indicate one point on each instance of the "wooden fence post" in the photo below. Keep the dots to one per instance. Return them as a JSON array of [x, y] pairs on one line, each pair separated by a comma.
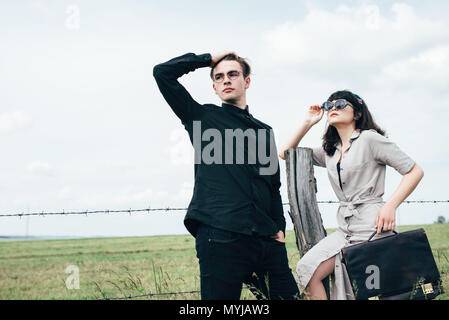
[[304, 211]]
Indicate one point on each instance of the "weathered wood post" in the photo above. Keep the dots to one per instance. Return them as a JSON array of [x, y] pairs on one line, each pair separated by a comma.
[[304, 211]]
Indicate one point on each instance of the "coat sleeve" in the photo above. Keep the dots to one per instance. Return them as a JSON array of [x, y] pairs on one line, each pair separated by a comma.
[[386, 152], [319, 157], [178, 98]]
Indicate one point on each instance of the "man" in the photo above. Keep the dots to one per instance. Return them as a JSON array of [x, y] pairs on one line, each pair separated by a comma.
[[236, 213]]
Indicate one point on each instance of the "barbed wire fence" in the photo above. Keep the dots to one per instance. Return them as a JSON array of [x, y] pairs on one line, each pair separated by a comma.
[[152, 295], [149, 209], [165, 209]]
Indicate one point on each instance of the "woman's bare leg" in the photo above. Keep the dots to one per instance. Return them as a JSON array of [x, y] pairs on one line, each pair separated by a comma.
[[315, 289]]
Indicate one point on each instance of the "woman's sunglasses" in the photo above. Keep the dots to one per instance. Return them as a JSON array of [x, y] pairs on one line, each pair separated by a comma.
[[338, 104]]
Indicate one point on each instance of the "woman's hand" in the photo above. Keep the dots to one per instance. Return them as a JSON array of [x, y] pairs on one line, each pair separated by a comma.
[[386, 218], [314, 114]]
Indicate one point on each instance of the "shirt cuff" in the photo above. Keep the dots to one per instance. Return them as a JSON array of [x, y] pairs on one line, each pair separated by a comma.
[[206, 59]]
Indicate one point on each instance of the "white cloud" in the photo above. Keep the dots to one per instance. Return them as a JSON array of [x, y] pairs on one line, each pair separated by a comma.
[[354, 40], [13, 121], [41, 169], [181, 150], [185, 194], [136, 197], [428, 69], [131, 197], [65, 193]]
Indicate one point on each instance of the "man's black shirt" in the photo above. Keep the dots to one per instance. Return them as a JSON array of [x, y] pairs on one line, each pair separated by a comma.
[[229, 196]]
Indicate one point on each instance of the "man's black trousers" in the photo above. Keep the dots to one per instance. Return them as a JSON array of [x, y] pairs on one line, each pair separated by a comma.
[[228, 259]]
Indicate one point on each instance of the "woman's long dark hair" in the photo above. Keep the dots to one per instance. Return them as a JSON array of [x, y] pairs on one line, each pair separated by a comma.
[[364, 122]]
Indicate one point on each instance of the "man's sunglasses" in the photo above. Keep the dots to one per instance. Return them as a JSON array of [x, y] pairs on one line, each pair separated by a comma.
[[338, 104], [232, 75]]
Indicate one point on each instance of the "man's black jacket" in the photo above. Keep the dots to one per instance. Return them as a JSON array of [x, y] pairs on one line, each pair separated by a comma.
[[229, 196]]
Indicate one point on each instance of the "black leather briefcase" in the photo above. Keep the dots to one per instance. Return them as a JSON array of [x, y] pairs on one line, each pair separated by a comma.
[[396, 267]]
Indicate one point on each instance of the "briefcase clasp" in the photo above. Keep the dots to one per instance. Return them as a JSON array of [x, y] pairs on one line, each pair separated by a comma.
[[427, 288]]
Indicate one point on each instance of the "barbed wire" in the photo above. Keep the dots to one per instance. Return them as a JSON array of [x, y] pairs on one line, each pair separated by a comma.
[[148, 210], [91, 212], [151, 295], [405, 201], [245, 287]]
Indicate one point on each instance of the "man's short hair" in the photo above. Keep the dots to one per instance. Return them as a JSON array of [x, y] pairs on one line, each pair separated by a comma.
[[242, 61]]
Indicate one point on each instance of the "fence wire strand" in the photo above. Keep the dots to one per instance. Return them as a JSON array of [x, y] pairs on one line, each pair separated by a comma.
[[166, 209], [151, 295], [245, 287]]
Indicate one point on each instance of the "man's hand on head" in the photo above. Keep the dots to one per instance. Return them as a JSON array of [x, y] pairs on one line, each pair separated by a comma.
[[218, 56]]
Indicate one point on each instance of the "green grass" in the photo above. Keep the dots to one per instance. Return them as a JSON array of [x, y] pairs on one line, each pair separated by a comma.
[[120, 267]]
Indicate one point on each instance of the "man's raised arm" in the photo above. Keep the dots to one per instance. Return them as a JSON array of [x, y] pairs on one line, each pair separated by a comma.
[[179, 99], [167, 74]]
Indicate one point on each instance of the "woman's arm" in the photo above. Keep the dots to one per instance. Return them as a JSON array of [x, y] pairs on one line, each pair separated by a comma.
[[313, 116], [386, 216]]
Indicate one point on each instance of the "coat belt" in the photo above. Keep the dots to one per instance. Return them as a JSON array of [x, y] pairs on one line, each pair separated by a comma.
[[350, 207]]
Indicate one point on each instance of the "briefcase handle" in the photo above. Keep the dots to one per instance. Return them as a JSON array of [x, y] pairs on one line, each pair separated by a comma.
[[374, 233]]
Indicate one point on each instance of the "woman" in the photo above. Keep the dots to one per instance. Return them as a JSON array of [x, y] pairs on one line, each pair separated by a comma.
[[355, 153]]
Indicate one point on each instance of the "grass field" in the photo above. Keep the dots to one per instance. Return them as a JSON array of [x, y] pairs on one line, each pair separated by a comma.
[[132, 266]]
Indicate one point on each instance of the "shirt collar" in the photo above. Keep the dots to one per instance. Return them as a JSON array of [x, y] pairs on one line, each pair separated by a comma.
[[232, 108], [355, 134]]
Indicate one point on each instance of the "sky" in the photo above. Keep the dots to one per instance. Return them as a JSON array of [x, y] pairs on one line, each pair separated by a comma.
[[84, 127]]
